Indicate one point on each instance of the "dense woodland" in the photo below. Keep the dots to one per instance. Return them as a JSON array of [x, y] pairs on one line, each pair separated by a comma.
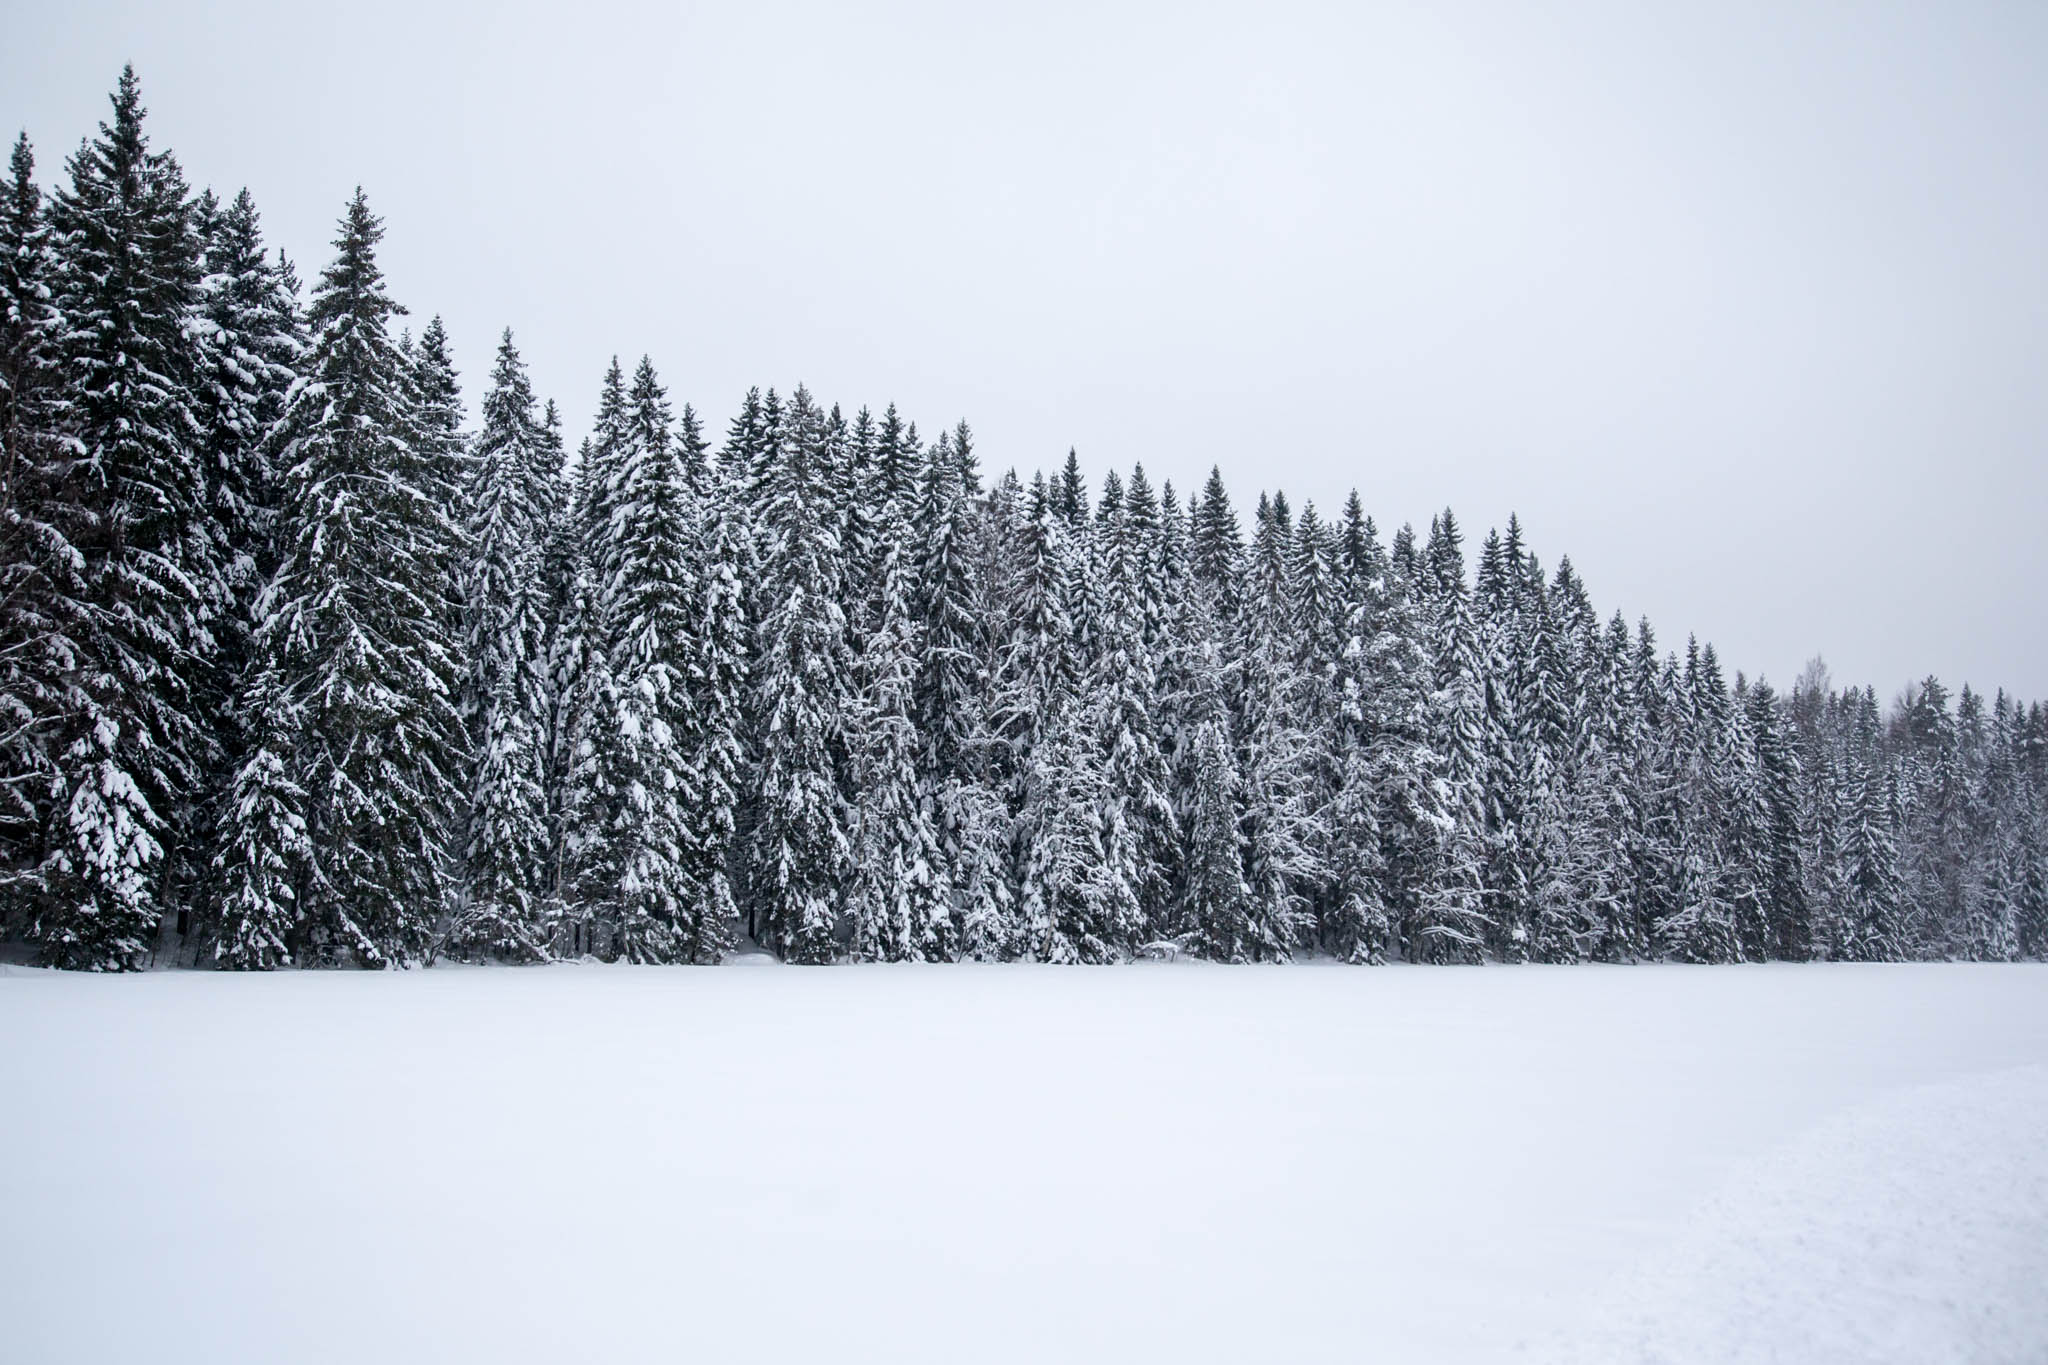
[[299, 666]]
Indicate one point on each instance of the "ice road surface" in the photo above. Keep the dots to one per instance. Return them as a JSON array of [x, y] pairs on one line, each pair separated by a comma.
[[1167, 1162]]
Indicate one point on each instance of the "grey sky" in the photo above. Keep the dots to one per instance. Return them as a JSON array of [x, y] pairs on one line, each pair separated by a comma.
[[1743, 306]]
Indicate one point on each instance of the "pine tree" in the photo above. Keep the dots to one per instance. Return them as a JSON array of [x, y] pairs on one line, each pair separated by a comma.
[[800, 847], [1218, 899], [1359, 926], [1216, 549], [1378, 744], [356, 634], [250, 349], [1876, 934], [566, 591], [1782, 874], [1283, 828], [718, 685], [129, 562], [948, 676], [1070, 494], [1076, 909], [588, 697], [1140, 833], [983, 829], [1448, 921], [32, 662], [899, 901], [263, 859], [642, 863], [504, 693], [2030, 917], [1609, 784]]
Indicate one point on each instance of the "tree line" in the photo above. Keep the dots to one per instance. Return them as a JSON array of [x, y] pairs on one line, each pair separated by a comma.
[[299, 669]]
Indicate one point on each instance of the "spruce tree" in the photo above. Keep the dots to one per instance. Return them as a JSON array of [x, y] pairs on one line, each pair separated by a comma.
[[1447, 918], [1217, 896], [948, 674], [1075, 906], [356, 635], [642, 860], [1216, 548], [899, 898], [1139, 827], [799, 838], [718, 683], [263, 856], [504, 693], [32, 664], [1876, 932], [128, 560], [1782, 873]]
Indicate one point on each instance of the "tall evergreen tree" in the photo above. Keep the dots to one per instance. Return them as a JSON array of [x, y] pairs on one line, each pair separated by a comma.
[[504, 696], [129, 564], [33, 644], [357, 643], [800, 844], [900, 902]]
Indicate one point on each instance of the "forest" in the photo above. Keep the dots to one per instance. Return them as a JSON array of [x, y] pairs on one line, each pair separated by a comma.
[[299, 666]]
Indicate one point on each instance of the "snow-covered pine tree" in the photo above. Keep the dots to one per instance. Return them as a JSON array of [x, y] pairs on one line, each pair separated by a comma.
[[134, 566], [1282, 826], [1378, 717], [982, 827], [1609, 784], [642, 861], [1314, 641], [721, 641], [899, 465], [1933, 802], [1559, 848], [898, 900], [1780, 874], [1447, 919], [799, 844], [587, 692], [504, 691], [1154, 559], [262, 856], [356, 635], [442, 463], [1216, 549], [250, 348], [1441, 563], [35, 648], [566, 594], [2030, 917], [1699, 925], [1070, 493], [1140, 832], [973, 815], [1216, 899], [1075, 907], [968, 462], [1359, 922], [1877, 932], [948, 672], [1508, 635]]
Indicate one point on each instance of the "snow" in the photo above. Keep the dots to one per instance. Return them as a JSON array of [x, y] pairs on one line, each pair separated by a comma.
[[1913, 1228], [1171, 1162]]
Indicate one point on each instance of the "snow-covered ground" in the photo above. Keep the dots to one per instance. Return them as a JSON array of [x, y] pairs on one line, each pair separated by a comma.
[[1157, 1163]]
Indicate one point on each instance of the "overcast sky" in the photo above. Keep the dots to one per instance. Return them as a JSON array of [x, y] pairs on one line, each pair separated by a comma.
[[1743, 307]]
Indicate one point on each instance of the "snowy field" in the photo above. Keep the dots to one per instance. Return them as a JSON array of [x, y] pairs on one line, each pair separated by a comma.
[[1157, 1163]]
